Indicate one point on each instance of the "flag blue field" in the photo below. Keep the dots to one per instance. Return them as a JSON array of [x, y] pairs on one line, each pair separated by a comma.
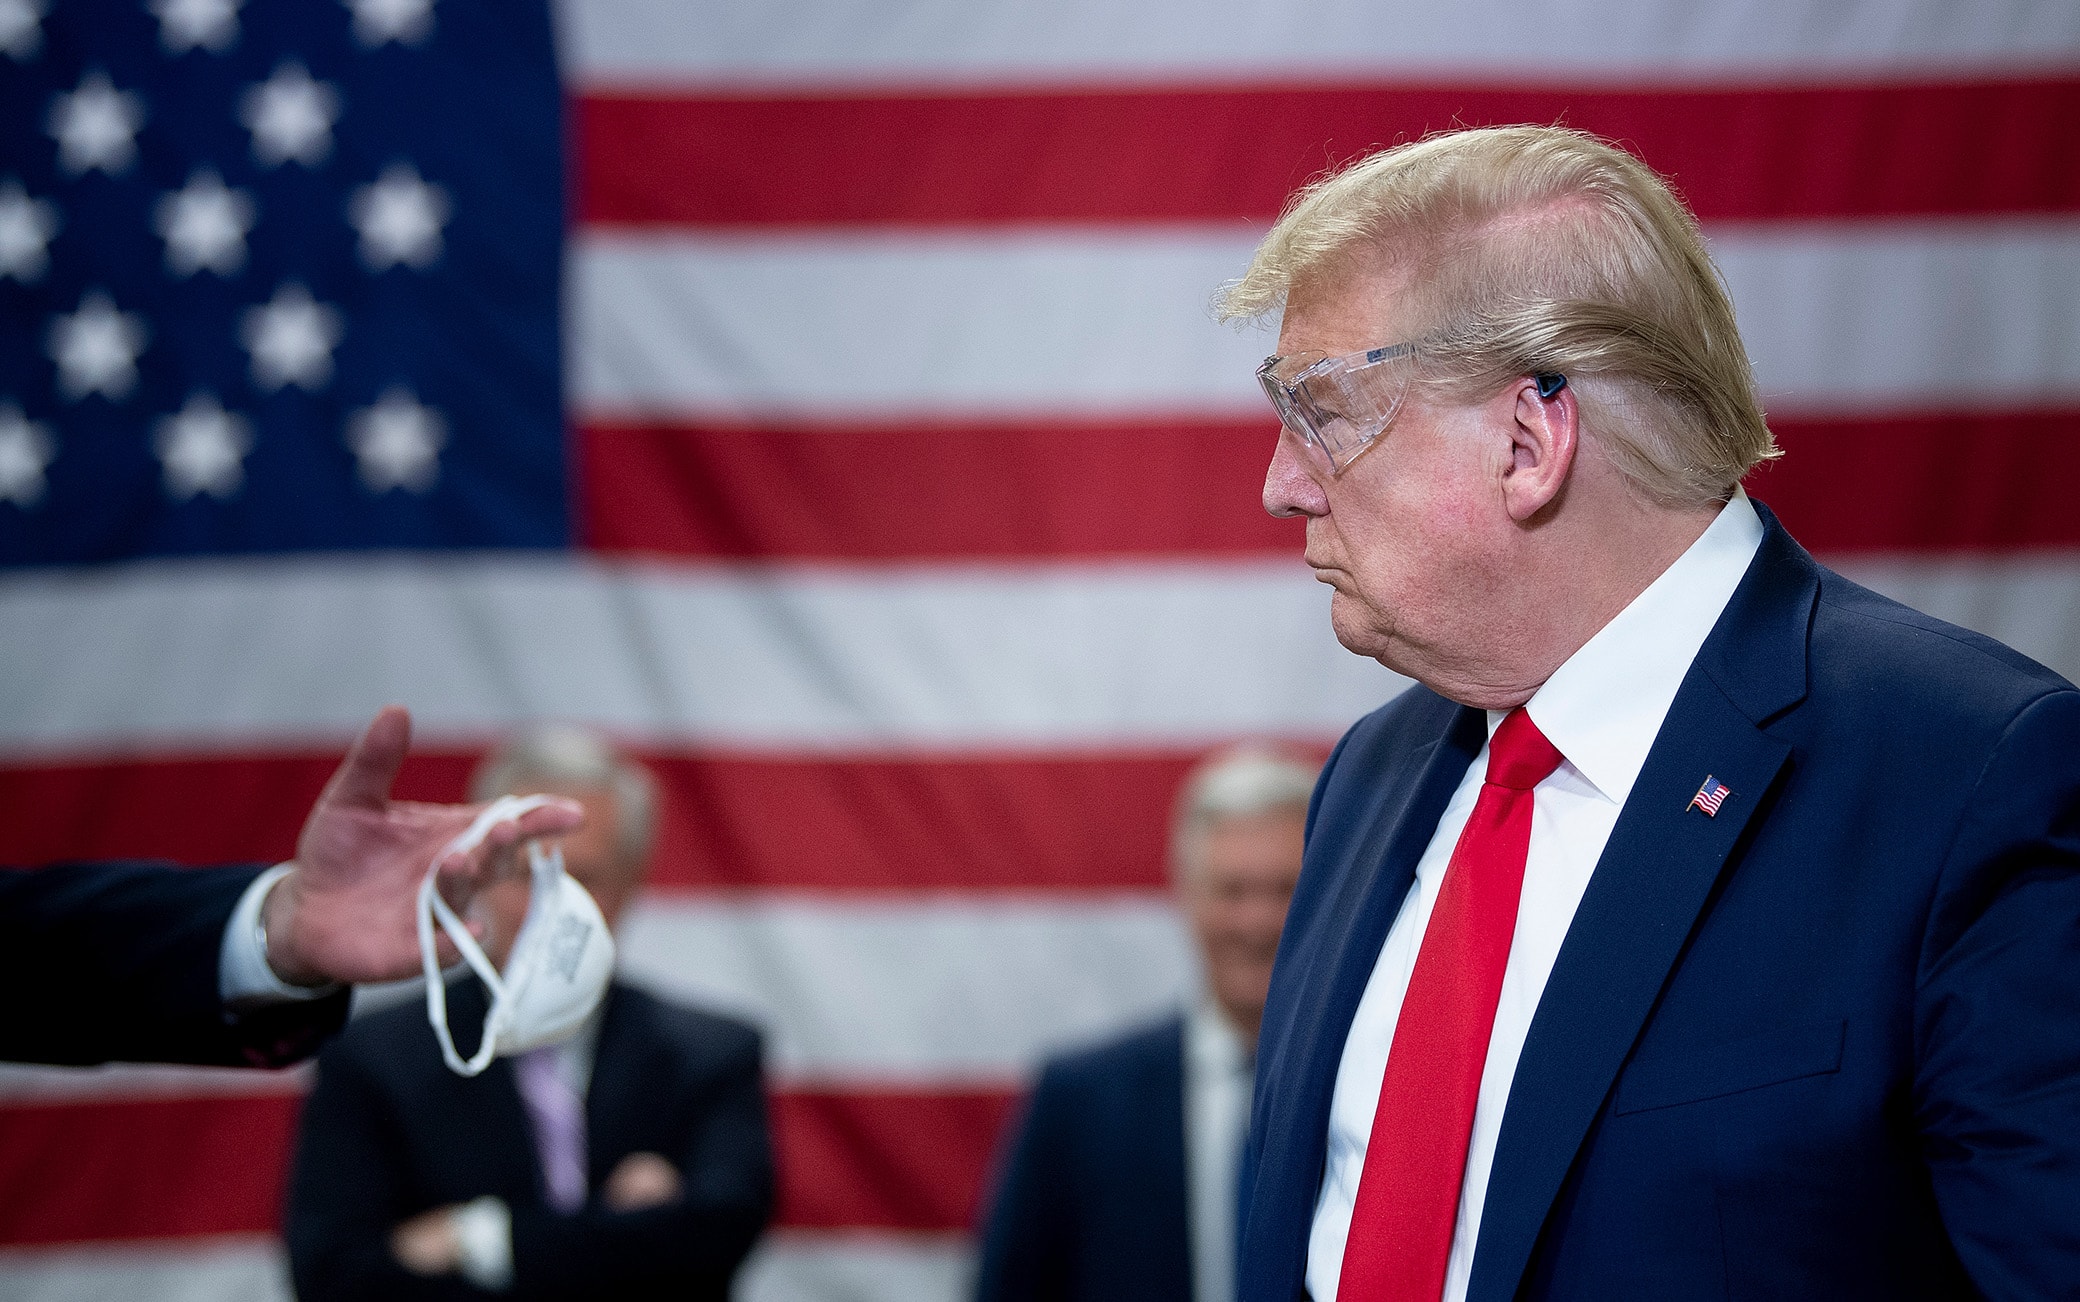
[[278, 279]]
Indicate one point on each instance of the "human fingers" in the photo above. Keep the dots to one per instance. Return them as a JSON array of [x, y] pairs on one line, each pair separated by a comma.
[[496, 855], [364, 778]]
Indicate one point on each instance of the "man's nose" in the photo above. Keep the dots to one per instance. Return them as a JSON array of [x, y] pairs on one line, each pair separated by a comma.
[[1288, 487]]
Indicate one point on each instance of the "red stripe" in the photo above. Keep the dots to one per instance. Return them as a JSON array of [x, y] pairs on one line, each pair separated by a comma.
[[965, 492], [1940, 482], [229, 809], [178, 1167], [974, 824], [149, 1169], [886, 1160], [1213, 153]]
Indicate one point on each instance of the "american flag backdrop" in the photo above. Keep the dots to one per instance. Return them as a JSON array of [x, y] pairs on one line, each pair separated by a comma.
[[823, 398]]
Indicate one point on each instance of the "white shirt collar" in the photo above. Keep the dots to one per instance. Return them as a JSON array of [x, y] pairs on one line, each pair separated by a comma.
[[1211, 1042], [1603, 708]]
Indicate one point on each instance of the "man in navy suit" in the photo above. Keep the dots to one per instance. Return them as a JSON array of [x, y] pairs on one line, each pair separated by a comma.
[[629, 1161], [1121, 1180], [1701, 924], [245, 966]]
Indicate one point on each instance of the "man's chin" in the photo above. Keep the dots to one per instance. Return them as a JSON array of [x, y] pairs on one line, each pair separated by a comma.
[[1359, 634]]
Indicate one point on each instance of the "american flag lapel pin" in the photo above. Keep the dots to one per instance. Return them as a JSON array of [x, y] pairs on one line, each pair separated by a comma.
[[1709, 797]]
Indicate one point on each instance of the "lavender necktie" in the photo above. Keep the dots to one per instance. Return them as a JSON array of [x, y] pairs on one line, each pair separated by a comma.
[[558, 1115]]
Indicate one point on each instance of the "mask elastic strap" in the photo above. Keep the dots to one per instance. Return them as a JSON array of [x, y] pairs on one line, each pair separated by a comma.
[[431, 907]]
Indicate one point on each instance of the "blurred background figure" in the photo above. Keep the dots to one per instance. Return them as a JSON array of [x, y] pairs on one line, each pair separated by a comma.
[[630, 1160], [1121, 1181]]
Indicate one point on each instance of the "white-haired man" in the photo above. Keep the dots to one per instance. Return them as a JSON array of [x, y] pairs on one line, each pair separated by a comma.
[[631, 1160], [1701, 924], [1121, 1180]]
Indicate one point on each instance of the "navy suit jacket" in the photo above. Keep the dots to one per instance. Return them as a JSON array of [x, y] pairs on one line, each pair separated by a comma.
[[1825, 1044], [1091, 1202], [119, 962], [389, 1132]]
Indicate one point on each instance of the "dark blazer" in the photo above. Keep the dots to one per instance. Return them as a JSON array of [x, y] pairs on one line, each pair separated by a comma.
[[389, 1132], [1825, 1044], [111, 962], [1091, 1202]]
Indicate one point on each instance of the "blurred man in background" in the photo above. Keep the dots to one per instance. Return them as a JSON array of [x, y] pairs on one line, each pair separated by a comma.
[[630, 1160], [1121, 1182]]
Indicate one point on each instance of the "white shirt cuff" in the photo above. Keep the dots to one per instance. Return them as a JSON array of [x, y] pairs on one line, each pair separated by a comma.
[[244, 979], [484, 1234]]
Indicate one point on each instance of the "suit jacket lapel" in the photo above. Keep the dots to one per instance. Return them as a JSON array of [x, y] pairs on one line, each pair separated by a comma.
[[1371, 883], [1648, 891], [617, 1081]]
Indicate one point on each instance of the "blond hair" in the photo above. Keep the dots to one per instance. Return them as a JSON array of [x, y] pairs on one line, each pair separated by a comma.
[[1536, 250]]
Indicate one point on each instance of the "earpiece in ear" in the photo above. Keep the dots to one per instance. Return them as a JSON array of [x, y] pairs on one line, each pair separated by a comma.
[[1550, 384]]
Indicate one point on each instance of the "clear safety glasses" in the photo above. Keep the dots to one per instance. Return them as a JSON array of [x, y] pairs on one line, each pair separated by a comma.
[[1337, 406]]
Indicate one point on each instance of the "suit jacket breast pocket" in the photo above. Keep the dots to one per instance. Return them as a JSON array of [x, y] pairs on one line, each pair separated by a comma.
[[1755, 1062]]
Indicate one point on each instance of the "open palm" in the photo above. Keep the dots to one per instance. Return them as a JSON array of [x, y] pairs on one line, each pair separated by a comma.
[[346, 912]]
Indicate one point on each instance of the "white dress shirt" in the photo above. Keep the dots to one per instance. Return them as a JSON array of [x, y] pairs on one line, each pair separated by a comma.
[[1602, 710], [1217, 1085], [244, 980]]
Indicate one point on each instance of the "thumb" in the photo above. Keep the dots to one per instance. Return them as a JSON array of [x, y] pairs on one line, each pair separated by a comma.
[[370, 768]]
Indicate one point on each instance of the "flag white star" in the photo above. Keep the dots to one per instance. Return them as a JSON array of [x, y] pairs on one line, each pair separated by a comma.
[[398, 442], [197, 24], [21, 29], [405, 21], [96, 126], [26, 227], [291, 338], [96, 348], [291, 117], [400, 219], [204, 224], [25, 451], [203, 449]]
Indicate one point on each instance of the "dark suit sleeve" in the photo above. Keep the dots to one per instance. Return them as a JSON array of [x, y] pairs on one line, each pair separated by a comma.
[[124, 957], [688, 1247], [1997, 1020], [1025, 1240], [349, 1188]]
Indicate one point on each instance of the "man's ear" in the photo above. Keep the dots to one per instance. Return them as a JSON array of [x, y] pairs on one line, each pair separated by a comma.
[[1544, 435]]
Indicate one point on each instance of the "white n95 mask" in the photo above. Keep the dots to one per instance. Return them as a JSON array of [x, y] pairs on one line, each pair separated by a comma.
[[561, 962]]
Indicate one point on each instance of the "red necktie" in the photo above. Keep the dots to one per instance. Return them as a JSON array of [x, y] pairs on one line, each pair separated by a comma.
[[1408, 1194]]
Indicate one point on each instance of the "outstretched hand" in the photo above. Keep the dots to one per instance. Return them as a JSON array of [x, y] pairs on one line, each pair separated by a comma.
[[346, 912]]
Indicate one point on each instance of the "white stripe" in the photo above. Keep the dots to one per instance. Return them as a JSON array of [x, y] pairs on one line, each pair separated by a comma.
[[2030, 602], [803, 1266], [221, 654], [21, 1083], [1885, 316], [1113, 323], [1836, 316], [840, 42], [932, 993], [789, 1266], [238, 1268], [256, 653]]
